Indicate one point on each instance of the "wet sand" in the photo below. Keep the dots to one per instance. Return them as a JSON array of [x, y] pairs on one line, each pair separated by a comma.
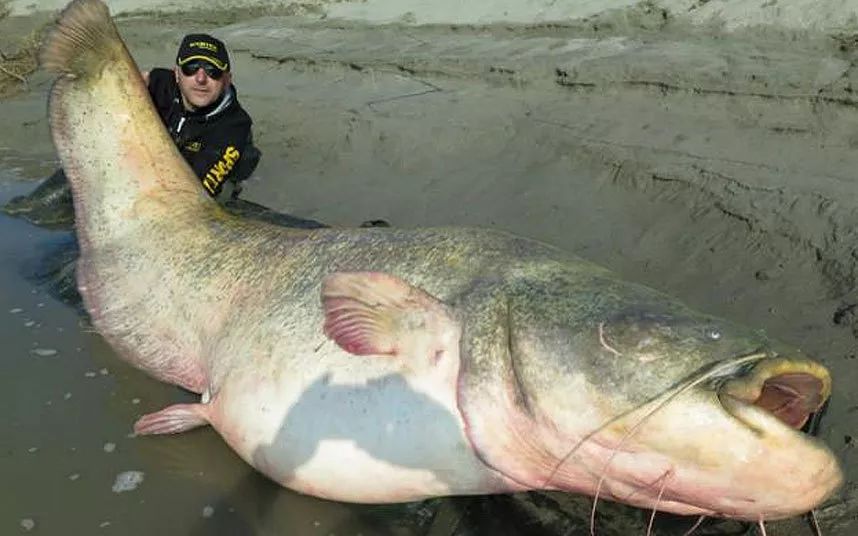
[[717, 167]]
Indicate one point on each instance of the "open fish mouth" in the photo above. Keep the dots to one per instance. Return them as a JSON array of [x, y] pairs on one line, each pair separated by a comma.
[[789, 389]]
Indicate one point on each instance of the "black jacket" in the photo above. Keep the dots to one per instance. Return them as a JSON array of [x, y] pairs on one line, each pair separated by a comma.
[[217, 141]]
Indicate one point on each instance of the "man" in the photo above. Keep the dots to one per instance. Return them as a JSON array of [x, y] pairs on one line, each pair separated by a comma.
[[199, 106]]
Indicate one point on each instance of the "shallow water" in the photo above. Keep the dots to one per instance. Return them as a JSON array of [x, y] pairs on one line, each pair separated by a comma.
[[69, 462]]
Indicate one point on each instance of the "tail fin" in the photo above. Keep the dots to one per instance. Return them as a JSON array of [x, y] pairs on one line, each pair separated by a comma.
[[83, 38]]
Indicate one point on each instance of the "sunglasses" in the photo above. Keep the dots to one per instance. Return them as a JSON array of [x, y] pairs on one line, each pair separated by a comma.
[[191, 68]]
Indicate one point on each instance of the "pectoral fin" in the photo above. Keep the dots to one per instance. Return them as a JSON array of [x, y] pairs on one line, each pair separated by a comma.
[[373, 313]]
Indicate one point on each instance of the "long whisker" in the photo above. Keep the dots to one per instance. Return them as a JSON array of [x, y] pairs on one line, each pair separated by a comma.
[[593, 514], [714, 372], [814, 523], [668, 397], [762, 527], [628, 497], [694, 527], [663, 478]]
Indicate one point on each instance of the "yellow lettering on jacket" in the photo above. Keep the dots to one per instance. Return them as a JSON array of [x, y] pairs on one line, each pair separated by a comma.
[[218, 172]]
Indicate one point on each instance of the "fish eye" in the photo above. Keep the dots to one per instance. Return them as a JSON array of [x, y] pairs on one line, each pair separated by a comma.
[[713, 334]]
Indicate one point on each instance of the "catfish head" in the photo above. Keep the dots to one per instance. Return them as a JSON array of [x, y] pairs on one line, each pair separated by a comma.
[[574, 380]]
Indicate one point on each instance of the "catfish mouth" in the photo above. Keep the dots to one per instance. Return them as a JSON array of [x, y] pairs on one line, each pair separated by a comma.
[[789, 389]]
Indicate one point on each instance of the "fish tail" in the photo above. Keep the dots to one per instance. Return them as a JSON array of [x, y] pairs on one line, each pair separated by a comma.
[[83, 40], [118, 165]]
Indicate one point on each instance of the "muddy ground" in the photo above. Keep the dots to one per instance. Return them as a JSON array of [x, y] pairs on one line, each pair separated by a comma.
[[716, 164]]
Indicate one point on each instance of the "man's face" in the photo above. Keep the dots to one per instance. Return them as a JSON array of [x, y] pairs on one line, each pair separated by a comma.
[[198, 88]]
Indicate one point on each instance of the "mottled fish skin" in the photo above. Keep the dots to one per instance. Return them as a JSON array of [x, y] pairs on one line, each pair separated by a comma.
[[386, 365]]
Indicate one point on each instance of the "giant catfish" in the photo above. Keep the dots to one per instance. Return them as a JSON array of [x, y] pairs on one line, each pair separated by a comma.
[[388, 365]]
